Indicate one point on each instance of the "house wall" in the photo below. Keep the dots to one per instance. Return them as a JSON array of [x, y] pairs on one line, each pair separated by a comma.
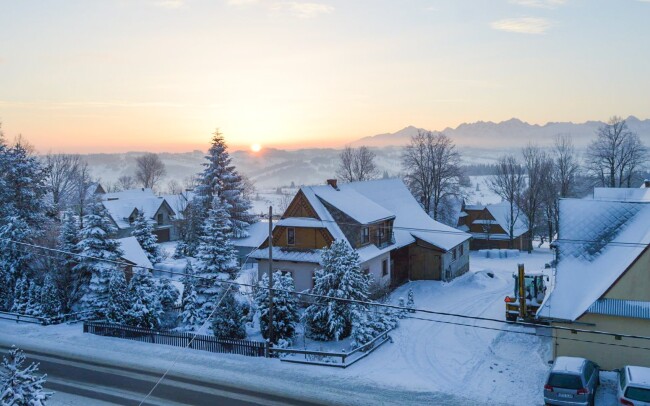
[[424, 262], [306, 238], [375, 269], [607, 356], [482, 244], [634, 284], [454, 268]]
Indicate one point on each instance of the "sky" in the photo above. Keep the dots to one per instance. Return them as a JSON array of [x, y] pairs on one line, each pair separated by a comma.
[[162, 75]]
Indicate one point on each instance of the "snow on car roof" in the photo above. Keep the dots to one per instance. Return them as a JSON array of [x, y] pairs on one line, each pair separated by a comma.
[[639, 375], [599, 241], [568, 364]]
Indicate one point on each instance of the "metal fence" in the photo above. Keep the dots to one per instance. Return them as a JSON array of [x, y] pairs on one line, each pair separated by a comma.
[[178, 339]]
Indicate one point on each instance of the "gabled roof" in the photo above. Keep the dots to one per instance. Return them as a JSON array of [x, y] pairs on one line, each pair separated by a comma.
[[599, 241], [411, 221], [121, 205], [257, 234], [133, 252], [501, 214], [355, 205]]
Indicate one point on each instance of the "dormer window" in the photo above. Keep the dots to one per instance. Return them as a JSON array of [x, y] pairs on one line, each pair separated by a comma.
[[365, 235]]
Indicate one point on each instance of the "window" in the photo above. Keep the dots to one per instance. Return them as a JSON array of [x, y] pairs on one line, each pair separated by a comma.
[[160, 218], [384, 267], [453, 254], [462, 249], [291, 236], [366, 271], [365, 235]]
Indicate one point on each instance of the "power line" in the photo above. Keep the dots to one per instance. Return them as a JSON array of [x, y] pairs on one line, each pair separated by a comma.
[[344, 300]]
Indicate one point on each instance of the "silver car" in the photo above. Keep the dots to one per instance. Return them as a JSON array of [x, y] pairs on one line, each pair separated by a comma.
[[572, 381]]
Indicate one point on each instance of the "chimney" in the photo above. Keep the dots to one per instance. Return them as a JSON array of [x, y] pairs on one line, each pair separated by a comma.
[[332, 183]]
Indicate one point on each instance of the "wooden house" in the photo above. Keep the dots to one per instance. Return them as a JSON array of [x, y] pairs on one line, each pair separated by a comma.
[[602, 280], [489, 226], [395, 239]]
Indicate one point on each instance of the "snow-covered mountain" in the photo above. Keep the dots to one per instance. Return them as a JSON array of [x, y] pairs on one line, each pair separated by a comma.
[[511, 133]]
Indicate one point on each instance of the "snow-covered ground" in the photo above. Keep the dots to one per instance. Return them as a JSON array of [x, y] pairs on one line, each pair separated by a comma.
[[428, 362]]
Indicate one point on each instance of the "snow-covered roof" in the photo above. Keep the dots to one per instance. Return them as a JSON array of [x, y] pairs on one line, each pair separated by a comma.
[[501, 214], [133, 252], [622, 194], [284, 254], [410, 219], [121, 209], [257, 234], [305, 222], [568, 364], [599, 240], [322, 213], [354, 204]]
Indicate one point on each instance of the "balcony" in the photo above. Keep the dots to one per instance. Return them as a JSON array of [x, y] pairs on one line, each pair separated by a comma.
[[384, 241]]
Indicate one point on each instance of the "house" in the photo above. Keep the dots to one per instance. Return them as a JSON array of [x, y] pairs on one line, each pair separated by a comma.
[[395, 239], [123, 207], [257, 234], [489, 226], [133, 255], [602, 282]]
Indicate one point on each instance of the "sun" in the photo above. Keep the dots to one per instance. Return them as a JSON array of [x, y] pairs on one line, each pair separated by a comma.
[[256, 147]]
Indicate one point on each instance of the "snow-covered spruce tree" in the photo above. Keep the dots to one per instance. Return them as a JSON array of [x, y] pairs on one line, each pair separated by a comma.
[[220, 179], [70, 283], [285, 307], [340, 277], [145, 310], [410, 304], [15, 262], [50, 298], [119, 300], [369, 325], [190, 229], [20, 296], [167, 294], [228, 319], [34, 300], [216, 255], [21, 385], [143, 232], [190, 314], [98, 249]]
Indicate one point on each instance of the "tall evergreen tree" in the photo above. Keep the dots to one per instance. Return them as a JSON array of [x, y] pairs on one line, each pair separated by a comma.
[[340, 277], [97, 248], [145, 310], [143, 232], [217, 256], [15, 260], [119, 300], [167, 294], [50, 298], [21, 385], [228, 319], [34, 300], [220, 179], [20, 296], [285, 307], [70, 283], [190, 315]]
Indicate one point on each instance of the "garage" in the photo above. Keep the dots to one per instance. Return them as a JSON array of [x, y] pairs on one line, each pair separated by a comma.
[[162, 234]]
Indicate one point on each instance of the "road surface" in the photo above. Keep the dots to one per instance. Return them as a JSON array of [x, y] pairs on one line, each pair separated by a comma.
[[127, 386]]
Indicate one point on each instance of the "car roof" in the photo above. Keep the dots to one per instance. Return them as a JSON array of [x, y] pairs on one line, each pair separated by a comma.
[[568, 365], [639, 376]]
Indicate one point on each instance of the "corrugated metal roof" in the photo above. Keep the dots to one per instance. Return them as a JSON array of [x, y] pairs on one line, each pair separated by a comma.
[[623, 308]]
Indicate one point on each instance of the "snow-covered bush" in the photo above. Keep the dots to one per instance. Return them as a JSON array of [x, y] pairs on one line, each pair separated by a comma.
[[21, 385], [285, 307], [228, 318]]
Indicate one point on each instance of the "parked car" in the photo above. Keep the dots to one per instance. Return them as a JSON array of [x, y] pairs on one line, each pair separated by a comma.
[[572, 381], [634, 386]]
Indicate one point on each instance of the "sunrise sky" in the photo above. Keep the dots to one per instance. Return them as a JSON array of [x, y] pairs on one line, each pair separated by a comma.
[[161, 75]]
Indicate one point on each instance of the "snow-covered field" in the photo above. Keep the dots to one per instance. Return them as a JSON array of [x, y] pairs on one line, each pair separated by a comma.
[[428, 362]]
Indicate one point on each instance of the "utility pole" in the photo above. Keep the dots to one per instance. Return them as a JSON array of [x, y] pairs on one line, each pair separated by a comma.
[[270, 338], [522, 291]]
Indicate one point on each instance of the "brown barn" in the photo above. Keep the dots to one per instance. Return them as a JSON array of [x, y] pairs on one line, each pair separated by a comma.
[[489, 226], [396, 240]]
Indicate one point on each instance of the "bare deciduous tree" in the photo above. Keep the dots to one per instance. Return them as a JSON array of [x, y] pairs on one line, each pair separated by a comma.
[[149, 170], [508, 183], [82, 197], [125, 182], [566, 164], [174, 187], [249, 189], [538, 167], [616, 154], [433, 171], [356, 164], [63, 169]]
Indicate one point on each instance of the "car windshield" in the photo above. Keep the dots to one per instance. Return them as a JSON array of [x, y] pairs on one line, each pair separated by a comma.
[[640, 394], [565, 381]]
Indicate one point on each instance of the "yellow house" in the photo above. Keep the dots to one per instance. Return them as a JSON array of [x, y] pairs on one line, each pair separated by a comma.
[[602, 281]]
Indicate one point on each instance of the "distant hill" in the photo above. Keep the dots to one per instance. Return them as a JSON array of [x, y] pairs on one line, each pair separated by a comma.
[[512, 133]]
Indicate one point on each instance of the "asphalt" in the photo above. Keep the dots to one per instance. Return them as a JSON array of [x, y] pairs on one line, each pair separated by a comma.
[[129, 386]]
